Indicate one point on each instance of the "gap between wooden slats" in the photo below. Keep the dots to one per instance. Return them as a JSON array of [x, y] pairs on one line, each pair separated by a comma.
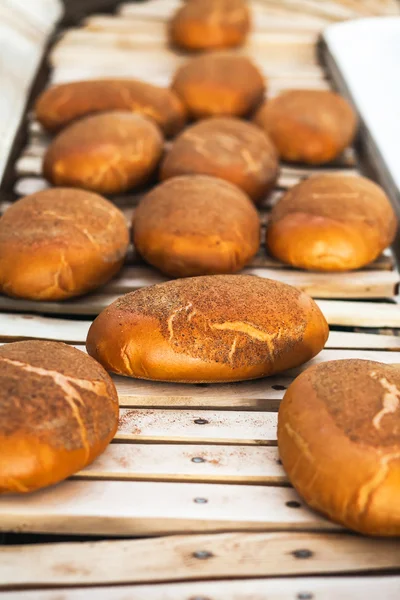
[[149, 508], [232, 555], [288, 588]]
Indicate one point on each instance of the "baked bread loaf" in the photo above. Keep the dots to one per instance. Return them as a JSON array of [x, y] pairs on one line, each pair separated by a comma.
[[60, 243], [228, 148], [61, 104], [218, 84], [331, 223], [107, 153], [308, 126], [339, 442], [208, 329], [196, 225], [58, 412], [210, 24]]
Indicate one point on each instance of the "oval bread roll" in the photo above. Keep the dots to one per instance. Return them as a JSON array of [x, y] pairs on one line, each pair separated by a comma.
[[227, 148], [308, 126], [61, 104], [107, 153], [217, 84], [58, 412], [339, 442], [331, 223], [210, 24], [196, 225], [208, 329], [60, 243]]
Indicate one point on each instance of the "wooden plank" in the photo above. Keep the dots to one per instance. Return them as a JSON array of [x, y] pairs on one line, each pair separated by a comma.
[[174, 558], [147, 508], [201, 426], [360, 314], [289, 588], [172, 462]]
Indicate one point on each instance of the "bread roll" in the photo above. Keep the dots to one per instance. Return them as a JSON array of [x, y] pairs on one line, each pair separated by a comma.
[[218, 84], [196, 225], [331, 223], [308, 126], [227, 148], [339, 442], [60, 243], [58, 412], [208, 329], [57, 106], [107, 153], [210, 24]]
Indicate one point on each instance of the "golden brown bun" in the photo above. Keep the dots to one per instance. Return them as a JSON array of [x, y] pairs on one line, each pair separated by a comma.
[[210, 24], [218, 84], [60, 243], [339, 442], [208, 329], [107, 153], [228, 148], [196, 225], [331, 223], [57, 106], [58, 412], [308, 126]]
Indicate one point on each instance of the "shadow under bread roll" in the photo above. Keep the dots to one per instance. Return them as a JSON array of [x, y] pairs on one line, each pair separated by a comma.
[[196, 225], [339, 442], [60, 243], [210, 24], [331, 223], [107, 153], [61, 104], [58, 412], [219, 84], [208, 329]]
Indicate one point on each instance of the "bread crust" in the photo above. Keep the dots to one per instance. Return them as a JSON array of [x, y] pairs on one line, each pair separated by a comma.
[[210, 24], [339, 442], [61, 104], [331, 223], [60, 243], [228, 148], [107, 153], [196, 225], [208, 329], [219, 84], [58, 412], [308, 126]]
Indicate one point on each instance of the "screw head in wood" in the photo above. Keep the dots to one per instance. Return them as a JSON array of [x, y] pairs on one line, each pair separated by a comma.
[[198, 459], [200, 500], [302, 553], [202, 554], [201, 421]]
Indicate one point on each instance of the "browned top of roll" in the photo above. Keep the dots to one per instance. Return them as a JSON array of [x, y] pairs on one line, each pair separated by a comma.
[[210, 24], [57, 106], [225, 147], [219, 83], [58, 410], [342, 198]]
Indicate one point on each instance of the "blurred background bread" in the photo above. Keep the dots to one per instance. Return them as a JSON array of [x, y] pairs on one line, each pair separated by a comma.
[[61, 104], [331, 223], [208, 329], [308, 126], [339, 442], [210, 24], [196, 225], [60, 243], [58, 412], [228, 148], [218, 84], [107, 153]]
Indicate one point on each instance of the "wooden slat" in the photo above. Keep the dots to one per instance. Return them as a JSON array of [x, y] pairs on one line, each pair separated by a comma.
[[147, 508], [203, 463], [360, 314], [289, 588], [174, 558]]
